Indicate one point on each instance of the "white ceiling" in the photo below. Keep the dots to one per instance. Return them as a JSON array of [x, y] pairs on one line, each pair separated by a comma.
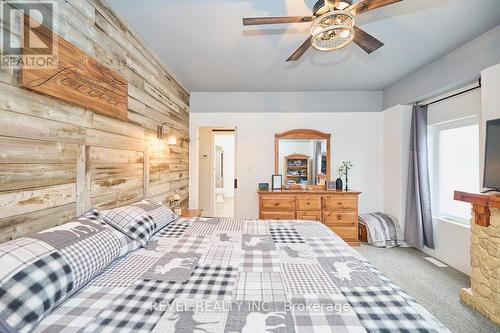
[[205, 45]]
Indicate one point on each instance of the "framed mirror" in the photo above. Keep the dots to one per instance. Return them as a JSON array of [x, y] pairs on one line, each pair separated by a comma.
[[302, 156]]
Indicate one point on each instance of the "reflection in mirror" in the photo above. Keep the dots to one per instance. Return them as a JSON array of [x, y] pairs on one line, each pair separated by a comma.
[[303, 161]]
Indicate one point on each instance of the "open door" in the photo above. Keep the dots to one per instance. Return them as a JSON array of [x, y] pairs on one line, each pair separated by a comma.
[[217, 172]]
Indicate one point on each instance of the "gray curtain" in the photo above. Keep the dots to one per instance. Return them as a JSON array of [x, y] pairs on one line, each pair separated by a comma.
[[418, 225]]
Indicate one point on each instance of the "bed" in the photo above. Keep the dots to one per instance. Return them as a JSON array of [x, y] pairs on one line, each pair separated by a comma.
[[229, 275]]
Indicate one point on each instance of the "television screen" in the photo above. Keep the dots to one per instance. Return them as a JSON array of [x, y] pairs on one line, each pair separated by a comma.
[[492, 156]]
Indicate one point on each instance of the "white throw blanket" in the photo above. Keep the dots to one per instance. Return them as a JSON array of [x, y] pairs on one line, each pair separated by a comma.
[[382, 230]]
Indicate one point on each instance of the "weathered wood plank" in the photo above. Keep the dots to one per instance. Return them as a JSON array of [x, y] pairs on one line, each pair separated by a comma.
[[108, 124], [136, 106], [22, 101], [28, 127], [83, 180], [150, 101], [79, 79], [54, 155], [143, 121], [179, 167], [114, 185], [26, 224], [164, 197], [164, 177], [110, 156], [13, 150], [156, 189], [25, 176], [113, 171], [117, 199], [26, 201], [165, 97], [84, 7], [145, 171], [124, 35], [99, 138]]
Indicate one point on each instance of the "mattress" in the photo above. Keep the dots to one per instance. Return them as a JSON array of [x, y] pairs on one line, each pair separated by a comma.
[[229, 275]]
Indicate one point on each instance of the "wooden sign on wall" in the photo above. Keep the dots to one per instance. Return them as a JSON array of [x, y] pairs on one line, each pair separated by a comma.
[[78, 79]]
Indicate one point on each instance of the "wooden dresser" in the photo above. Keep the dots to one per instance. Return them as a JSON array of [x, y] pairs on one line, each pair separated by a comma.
[[336, 209]]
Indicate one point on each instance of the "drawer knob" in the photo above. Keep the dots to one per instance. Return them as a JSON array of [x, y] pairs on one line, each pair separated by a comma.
[[308, 203], [339, 203], [339, 217], [276, 204]]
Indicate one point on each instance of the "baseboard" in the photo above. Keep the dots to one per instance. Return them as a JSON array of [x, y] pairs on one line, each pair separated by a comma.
[[454, 262]]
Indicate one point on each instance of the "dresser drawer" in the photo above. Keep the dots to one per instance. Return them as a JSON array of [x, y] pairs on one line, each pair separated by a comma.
[[309, 203], [340, 218], [309, 215], [276, 215], [340, 202], [346, 233], [277, 203]]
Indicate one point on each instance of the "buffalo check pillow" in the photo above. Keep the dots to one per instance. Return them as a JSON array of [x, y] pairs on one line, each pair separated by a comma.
[[141, 220], [41, 271]]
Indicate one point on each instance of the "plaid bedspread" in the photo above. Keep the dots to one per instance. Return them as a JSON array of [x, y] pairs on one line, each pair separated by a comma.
[[228, 275]]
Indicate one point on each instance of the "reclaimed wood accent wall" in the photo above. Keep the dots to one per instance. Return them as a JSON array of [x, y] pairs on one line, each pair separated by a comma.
[[58, 160]]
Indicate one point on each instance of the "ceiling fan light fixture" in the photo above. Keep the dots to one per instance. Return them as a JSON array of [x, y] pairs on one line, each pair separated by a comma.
[[338, 5], [332, 31], [344, 4]]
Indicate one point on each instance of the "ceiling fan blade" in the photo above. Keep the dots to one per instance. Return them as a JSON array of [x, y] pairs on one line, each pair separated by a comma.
[[332, 3], [366, 41], [276, 20], [301, 50], [367, 5]]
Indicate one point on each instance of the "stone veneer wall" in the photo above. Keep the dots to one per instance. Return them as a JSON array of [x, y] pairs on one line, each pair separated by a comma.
[[484, 294]]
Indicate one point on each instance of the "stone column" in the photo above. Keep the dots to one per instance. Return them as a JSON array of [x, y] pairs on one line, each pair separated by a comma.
[[484, 294]]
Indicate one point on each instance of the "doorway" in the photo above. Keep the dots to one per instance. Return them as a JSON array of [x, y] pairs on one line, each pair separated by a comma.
[[217, 179]]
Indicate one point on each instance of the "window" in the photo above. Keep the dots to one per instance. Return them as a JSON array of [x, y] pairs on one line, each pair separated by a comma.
[[454, 155]]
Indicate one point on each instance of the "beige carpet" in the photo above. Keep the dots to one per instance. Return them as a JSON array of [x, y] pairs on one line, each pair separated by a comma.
[[437, 289]]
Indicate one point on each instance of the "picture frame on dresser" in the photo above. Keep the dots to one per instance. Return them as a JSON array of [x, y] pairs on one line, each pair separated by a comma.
[[276, 182]]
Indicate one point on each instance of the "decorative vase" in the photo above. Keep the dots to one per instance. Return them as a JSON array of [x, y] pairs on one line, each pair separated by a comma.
[[346, 180], [339, 184]]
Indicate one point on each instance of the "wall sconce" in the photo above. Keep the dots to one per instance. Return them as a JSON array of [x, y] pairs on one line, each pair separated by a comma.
[[171, 140]]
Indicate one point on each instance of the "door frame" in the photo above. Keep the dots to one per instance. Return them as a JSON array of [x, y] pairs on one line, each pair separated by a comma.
[[229, 131]]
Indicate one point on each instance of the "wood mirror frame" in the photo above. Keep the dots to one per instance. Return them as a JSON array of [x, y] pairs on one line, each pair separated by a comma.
[[302, 134]]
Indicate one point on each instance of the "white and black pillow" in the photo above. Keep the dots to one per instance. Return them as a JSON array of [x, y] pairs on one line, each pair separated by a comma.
[[162, 215], [141, 220], [41, 271]]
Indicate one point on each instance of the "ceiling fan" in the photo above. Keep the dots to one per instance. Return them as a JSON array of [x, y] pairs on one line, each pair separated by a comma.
[[332, 25]]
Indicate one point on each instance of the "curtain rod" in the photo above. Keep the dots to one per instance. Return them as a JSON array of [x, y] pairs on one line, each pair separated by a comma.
[[454, 95]]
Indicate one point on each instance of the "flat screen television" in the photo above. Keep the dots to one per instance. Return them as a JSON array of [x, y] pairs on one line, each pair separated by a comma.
[[492, 155]]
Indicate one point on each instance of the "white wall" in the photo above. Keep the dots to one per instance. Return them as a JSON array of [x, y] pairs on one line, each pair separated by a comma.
[[297, 101], [490, 105], [450, 72], [355, 136], [397, 124], [452, 240]]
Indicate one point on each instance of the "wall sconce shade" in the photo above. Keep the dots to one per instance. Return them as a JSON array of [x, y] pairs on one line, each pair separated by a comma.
[[172, 140], [159, 132]]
